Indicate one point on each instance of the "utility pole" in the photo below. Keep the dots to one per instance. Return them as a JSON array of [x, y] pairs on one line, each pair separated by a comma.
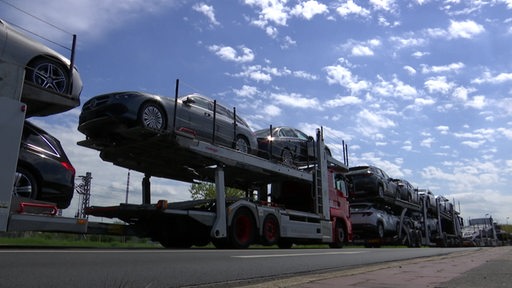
[[84, 190], [127, 187]]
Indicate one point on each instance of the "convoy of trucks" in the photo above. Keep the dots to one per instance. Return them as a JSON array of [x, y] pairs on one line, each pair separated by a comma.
[[284, 205]]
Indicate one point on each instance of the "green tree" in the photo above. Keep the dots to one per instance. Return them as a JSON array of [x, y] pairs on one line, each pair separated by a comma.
[[205, 190]]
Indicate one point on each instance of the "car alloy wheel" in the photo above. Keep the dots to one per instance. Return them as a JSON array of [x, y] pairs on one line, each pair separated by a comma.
[[152, 116], [25, 185], [242, 144], [49, 74]]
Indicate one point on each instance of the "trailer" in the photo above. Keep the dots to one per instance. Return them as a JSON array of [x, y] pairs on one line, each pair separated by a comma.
[[417, 224], [283, 205], [268, 215]]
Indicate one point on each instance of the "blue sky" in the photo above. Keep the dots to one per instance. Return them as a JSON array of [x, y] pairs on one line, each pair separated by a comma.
[[421, 89]]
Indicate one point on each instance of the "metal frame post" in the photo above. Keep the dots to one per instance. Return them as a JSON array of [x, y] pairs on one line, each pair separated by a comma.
[[219, 229], [12, 116]]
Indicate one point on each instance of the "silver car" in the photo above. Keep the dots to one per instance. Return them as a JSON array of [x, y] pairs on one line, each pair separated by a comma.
[[44, 68], [108, 119], [372, 220]]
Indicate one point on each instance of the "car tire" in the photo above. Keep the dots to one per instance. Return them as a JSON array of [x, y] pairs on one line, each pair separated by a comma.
[[380, 230], [152, 116], [48, 74], [242, 144], [25, 184]]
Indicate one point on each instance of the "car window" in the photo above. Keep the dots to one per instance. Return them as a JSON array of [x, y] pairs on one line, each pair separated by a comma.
[[37, 141], [301, 135], [202, 102], [287, 132], [223, 111]]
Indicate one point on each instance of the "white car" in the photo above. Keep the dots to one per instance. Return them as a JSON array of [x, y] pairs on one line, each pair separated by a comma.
[[44, 68]]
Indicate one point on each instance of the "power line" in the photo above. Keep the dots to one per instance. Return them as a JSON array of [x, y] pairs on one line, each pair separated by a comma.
[[34, 16], [41, 20]]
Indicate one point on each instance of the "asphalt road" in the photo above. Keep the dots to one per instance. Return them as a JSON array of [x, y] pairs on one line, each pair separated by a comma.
[[181, 268]]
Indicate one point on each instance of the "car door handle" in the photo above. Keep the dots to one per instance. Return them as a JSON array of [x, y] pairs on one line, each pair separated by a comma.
[[207, 114]]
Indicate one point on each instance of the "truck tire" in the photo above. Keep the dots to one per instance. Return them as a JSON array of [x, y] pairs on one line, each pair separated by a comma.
[[339, 236], [270, 235], [243, 229]]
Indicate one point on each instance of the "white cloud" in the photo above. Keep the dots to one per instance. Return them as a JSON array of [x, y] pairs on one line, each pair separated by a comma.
[[401, 42], [274, 11], [342, 101], [360, 50], [309, 9], [427, 142], [438, 85], [464, 29], [246, 91], [340, 75], [272, 110], [487, 77], [477, 102], [386, 5], [409, 70], [443, 129], [370, 123], [350, 7], [230, 54], [207, 11], [458, 29], [453, 67], [295, 100]]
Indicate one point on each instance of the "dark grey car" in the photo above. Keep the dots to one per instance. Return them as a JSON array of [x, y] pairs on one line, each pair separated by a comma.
[[108, 118], [371, 182], [289, 145], [372, 220], [407, 192]]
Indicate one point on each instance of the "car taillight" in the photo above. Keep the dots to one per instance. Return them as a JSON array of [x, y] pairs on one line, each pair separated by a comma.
[[68, 167]]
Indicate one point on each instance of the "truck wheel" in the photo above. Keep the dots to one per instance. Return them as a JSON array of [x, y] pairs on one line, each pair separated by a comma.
[[243, 229], [339, 236], [270, 234]]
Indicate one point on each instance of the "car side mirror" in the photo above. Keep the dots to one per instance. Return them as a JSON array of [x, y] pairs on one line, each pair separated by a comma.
[[311, 139], [188, 101]]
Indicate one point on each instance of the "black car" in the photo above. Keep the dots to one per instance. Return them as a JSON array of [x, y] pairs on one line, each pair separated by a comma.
[[288, 145], [371, 182], [407, 192], [109, 118], [44, 172]]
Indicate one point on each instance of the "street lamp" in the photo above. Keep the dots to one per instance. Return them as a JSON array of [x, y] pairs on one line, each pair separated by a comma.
[[507, 221]]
